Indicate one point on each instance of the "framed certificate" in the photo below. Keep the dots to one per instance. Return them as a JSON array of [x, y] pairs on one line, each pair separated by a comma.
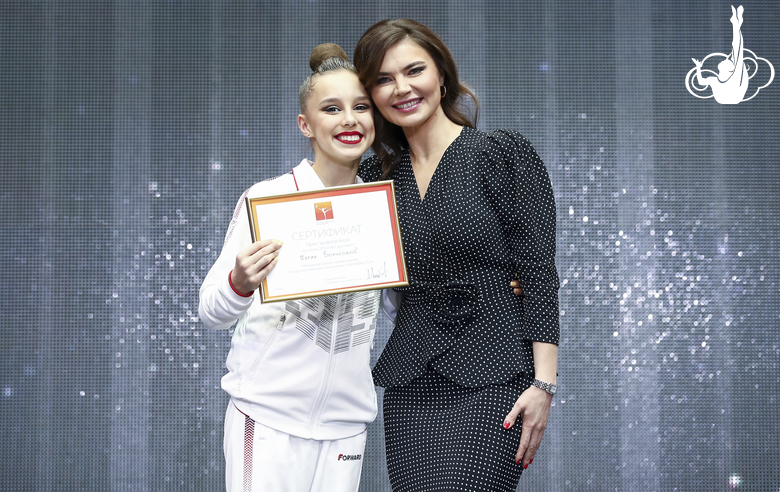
[[336, 240]]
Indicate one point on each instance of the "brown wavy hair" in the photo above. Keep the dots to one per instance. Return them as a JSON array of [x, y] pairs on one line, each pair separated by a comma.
[[370, 51]]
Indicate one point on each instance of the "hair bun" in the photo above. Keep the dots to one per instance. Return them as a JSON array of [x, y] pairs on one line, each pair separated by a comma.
[[322, 52]]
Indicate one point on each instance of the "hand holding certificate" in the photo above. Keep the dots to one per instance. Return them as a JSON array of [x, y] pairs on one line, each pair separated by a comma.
[[337, 240]]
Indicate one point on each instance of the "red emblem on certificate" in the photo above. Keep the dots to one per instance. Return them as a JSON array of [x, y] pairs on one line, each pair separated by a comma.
[[323, 211]]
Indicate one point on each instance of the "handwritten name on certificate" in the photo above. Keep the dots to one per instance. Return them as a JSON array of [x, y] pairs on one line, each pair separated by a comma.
[[336, 240]]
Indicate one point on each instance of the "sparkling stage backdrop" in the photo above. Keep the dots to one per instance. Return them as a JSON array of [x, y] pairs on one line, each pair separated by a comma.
[[128, 130]]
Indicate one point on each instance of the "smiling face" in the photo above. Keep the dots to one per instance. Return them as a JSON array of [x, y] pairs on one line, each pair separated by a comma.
[[407, 90], [338, 119]]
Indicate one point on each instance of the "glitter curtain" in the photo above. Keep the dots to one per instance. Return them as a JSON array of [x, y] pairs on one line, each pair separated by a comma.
[[128, 130]]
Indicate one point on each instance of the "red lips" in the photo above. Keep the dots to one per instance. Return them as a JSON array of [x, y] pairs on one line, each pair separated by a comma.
[[350, 138]]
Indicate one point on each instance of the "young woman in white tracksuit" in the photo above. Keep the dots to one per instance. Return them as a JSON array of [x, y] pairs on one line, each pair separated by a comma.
[[299, 380]]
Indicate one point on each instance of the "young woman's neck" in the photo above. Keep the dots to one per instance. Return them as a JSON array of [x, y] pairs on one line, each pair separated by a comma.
[[335, 173], [432, 137]]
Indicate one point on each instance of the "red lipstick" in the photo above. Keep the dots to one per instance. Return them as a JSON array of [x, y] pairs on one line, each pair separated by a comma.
[[350, 138]]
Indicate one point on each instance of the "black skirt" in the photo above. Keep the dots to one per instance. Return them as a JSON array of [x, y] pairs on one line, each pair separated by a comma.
[[441, 436]]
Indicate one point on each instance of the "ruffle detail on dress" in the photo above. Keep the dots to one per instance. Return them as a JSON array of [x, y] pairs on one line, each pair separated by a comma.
[[448, 303]]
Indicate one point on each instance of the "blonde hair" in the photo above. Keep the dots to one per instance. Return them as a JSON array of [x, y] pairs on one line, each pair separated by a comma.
[[326, 57]]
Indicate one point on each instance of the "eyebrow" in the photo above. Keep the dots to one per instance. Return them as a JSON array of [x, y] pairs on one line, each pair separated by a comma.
[[411, 65], [332, 100]]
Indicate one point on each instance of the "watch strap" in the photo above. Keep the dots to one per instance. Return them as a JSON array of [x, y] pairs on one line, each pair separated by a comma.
[[548, 387]]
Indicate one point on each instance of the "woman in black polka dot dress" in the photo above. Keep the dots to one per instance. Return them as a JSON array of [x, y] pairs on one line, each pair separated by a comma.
[[469, 364]]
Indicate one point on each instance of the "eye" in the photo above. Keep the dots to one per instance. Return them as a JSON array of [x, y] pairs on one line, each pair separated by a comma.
[[417, 70], [362, 107], [383, 80], [331, 109]]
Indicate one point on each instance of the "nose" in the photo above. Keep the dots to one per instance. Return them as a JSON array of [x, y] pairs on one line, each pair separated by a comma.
[[401, 86], [349, 118]]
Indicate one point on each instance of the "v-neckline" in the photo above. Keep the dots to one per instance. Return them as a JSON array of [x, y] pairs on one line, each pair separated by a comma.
[[420, 196]]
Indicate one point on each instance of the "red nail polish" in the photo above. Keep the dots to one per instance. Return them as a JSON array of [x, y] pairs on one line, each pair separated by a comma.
[[507, 425], [530, 462], [526, 466], [518, 462]]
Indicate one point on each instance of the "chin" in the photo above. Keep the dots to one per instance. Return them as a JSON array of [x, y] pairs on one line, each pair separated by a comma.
[[413, 119], [355, 154]]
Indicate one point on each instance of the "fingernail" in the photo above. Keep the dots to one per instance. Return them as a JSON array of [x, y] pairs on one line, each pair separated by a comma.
[[518, 462], [280, 242], [526, 466], [530, 462], [507, 425]]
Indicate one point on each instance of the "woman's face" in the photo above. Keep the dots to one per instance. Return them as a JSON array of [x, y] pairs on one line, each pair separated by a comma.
[[407, 90], [338, 118]]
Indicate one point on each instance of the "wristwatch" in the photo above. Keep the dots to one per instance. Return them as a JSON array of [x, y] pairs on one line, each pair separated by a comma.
[[548, 387]]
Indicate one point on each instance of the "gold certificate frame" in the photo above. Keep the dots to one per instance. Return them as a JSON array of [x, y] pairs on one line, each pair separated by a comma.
[[336, 240]]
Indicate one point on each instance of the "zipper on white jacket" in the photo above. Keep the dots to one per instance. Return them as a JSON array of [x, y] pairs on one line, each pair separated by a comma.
[[270, 342], [319, 403]]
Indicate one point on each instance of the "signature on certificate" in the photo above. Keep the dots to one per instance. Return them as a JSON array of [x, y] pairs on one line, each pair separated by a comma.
[[380, 272]]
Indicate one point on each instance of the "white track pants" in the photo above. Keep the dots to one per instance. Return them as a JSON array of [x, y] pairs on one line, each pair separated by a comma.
[[259, 458]]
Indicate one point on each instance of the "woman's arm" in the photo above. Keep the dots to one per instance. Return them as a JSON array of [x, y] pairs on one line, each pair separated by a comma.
[[529, 221], [521, 193], [226, 292], [533, 406], [253, 264], [546, 362]]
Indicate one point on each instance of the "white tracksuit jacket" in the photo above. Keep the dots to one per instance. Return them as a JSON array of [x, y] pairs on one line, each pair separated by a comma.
[[300, 367]]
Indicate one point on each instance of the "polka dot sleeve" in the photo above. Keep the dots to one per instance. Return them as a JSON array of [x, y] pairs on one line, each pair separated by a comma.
[[370, 169], [521, 193]]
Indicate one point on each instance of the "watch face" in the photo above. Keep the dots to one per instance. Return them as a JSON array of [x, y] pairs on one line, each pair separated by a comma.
[[553, 389]]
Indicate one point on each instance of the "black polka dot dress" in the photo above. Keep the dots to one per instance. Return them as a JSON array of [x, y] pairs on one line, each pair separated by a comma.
[[461, 351]]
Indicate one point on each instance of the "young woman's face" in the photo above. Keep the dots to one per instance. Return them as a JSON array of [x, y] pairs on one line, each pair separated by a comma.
[[338, 118], [407, 90]]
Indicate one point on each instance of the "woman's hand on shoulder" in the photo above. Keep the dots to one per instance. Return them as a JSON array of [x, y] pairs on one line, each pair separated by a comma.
[[253, 264], [533, 408], [517, 288]]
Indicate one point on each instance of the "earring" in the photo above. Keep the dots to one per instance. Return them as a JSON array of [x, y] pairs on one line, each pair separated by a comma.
[[443, 91]]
